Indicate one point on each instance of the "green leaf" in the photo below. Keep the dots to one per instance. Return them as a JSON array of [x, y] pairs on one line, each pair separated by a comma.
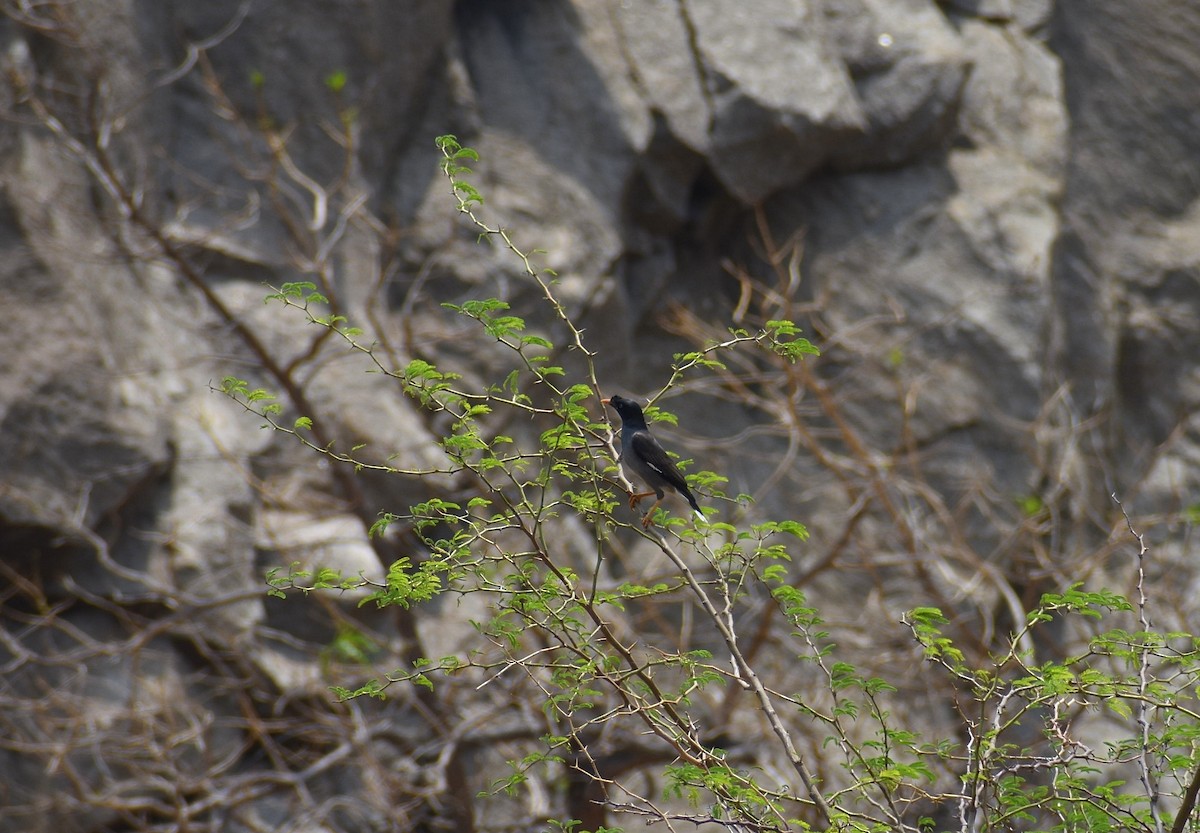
[[336, 81], [406, 586], [233, 386], [655, 414], [1031, 505], [784, 339], [468, 193], [380, 526]]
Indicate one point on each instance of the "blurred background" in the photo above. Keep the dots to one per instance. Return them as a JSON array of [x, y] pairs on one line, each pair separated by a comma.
[[984, 213]]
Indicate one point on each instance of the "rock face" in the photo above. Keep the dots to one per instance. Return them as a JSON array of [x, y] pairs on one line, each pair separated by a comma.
[[984, 211]]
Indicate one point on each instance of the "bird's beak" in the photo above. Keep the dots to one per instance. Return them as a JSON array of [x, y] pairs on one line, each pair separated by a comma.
[[604, 401]]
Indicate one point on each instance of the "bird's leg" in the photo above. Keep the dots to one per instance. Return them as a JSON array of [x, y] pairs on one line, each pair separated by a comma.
[[648, 520], [636, 497]]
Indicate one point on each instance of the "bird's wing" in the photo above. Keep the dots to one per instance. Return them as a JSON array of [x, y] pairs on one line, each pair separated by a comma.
[[652, 454]]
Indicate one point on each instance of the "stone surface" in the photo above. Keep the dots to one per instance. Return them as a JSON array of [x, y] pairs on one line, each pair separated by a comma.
[[985, 211], [779, 95], [909, 68]]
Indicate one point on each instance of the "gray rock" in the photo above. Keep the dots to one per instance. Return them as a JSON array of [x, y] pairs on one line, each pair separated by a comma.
[[658, 39], [81, 425], [1129, 79], [540, 82], [781, 101], [909, 69], [995, 244], [994, 10]]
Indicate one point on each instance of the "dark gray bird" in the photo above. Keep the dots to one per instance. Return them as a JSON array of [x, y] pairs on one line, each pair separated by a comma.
[[642, 457]]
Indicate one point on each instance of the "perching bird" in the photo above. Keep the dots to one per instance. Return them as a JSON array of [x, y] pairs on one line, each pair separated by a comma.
[[643, 457]]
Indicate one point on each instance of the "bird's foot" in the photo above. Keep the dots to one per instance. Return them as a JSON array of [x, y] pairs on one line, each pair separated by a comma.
[[637, 497], [648, 518]]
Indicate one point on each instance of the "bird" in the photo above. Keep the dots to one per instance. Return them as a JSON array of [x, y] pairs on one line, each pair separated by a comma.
[[643, 457]]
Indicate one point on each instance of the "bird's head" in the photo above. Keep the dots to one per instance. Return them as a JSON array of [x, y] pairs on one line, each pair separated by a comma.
[[627, 409]]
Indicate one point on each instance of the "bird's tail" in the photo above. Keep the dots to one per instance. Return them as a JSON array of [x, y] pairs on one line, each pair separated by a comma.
[[687, 493]]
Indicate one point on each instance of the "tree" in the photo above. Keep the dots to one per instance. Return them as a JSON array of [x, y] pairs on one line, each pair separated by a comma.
[[608, 675]]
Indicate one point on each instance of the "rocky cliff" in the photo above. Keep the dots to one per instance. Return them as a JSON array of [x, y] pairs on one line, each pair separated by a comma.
[[984, 212]]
